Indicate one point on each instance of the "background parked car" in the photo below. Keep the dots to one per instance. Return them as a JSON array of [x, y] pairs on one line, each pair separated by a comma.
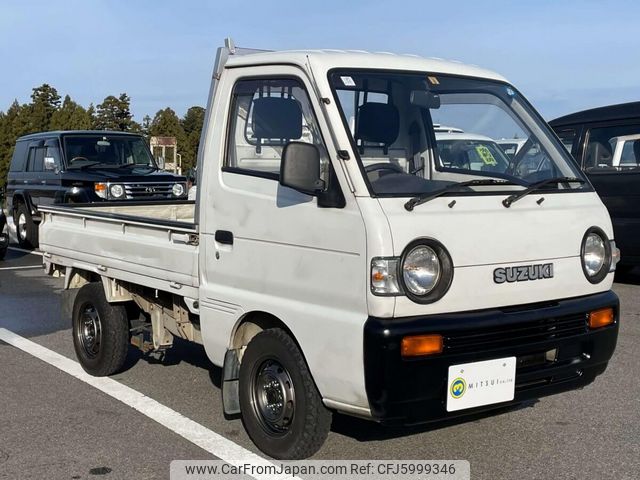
[[605, 142], [4, 236], [82, 167]]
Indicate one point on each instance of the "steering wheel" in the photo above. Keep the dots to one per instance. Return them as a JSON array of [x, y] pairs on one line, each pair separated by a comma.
[[75, 159], [392, 167]]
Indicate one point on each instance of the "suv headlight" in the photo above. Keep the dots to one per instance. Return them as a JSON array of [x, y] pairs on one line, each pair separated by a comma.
[[116, 191], [595, 254], [178, 189], [423, 273]]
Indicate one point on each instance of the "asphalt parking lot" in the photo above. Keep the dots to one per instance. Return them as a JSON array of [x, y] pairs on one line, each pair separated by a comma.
[[57, 427]]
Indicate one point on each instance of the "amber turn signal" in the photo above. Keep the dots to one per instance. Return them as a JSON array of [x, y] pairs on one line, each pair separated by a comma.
[[601, 318], [419, 345]]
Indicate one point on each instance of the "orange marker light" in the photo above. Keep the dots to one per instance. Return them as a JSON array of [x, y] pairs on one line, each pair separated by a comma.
[[378, 276], [601, 318], [100, 187], [419, 345]]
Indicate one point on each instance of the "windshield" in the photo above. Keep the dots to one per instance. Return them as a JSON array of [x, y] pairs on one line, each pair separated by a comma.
[[107, 151], [396, 125]]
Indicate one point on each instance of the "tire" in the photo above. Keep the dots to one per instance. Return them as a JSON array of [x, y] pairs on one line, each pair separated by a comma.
[[100, 332], [26, 228], [271, 361]]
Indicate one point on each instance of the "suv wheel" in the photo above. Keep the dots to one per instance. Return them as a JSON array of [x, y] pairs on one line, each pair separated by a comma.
[[26, 228]]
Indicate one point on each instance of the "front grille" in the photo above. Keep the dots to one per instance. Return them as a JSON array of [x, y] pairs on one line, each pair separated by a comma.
[[139, 191], [516, 335]]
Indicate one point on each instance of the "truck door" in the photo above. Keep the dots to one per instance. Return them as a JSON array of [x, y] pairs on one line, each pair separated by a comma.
[[267, 247]]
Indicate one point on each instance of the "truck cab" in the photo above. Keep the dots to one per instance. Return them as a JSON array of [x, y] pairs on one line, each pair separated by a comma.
[[82, 167], [336, 260]]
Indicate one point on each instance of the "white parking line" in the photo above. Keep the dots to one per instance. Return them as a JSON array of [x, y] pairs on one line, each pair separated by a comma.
[[24, 267], [201, 436]]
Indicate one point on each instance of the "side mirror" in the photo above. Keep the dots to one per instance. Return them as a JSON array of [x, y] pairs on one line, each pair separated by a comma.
[[160, 162], [50, 164], [300, 168]]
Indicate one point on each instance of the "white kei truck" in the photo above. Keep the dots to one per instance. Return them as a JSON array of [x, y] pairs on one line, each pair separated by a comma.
[[337, 259]]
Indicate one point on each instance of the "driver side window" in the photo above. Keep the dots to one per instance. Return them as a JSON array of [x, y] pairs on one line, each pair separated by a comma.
[[267, 114]]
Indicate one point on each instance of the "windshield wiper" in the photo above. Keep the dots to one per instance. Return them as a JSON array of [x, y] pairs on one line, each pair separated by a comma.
[[425, 197], [82, 167], [507, 202]]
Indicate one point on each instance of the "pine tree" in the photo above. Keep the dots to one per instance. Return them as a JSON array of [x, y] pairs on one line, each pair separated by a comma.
[[192, 124], [15, 123], [114, 114], [44, 102], [70, 116]]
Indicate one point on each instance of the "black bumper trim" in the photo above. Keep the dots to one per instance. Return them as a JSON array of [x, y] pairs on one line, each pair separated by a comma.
[[410, 391]]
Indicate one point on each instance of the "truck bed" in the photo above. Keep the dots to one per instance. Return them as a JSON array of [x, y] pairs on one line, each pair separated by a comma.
[[152, 243]]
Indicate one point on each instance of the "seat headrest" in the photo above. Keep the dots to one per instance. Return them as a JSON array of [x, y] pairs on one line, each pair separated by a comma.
[[599, 155], [378, 123], [277, 117]]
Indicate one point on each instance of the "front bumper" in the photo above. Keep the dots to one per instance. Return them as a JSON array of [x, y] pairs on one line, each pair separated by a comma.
[[411, 391]]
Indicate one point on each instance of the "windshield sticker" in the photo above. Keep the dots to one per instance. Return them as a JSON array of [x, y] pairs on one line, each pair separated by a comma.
[[434, 80], [485, 155], [348, 81]]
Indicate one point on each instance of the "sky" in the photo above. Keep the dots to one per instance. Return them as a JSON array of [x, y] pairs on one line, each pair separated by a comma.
[[563, 55]]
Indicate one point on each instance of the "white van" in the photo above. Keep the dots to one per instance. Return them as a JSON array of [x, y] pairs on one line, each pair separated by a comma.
[[329, 269]]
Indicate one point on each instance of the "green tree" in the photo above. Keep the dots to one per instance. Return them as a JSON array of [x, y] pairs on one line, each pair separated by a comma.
[[13, 124], [114, 113], [44, 102], [167, 124], [70, 116], [192, 125]]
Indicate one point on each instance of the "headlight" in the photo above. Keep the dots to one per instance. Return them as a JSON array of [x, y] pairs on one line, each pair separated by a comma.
[[421, 270], [178, 190], [423, 273], [596, 255], [116, 191]]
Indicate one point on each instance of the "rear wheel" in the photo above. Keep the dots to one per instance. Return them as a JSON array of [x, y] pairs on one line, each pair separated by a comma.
[[100, 331], [26, 228], [281, 407]]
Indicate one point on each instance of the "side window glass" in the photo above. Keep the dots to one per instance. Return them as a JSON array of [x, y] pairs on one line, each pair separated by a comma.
[[36, 159], [568, 138], [613, 149], [52, 156], [267, 114]]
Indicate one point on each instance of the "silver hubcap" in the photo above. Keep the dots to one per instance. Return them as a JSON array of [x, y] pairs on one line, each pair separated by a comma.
[[89, 331], [273, 397], [22, 226]]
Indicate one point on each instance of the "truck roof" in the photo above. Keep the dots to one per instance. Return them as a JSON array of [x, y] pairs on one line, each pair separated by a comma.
[[59, 133], [329, 59]]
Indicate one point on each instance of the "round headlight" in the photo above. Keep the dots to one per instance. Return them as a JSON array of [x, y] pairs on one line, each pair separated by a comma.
[[421, 270], [116, 191], [425, 271], [178, 190], [596, 255]]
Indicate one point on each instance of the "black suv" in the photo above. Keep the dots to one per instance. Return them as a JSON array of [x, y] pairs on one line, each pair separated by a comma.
[[82, 167], [605, 142]]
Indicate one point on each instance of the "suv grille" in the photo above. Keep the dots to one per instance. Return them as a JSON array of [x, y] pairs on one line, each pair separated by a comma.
[[523, 334], [148, 190]]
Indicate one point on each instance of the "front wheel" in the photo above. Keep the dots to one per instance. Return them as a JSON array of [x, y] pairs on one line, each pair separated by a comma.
[[26, 228], [100, 332], [281, 407]]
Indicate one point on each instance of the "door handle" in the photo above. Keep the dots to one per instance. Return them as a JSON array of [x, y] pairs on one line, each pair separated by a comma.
[[224, 237]]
